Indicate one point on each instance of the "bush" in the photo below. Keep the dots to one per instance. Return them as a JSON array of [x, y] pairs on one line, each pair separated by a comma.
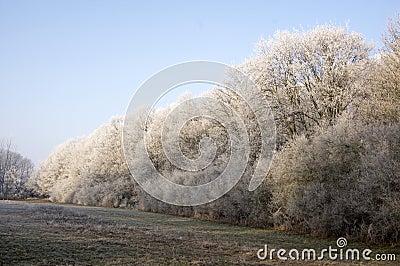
[[343, 181]]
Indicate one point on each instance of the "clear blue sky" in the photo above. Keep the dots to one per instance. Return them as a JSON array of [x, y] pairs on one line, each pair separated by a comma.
[[66, 67]]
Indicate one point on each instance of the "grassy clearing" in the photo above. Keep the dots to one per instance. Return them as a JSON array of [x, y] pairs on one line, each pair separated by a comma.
[[45, 233]]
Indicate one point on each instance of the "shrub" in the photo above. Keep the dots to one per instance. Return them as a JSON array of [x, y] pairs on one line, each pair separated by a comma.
[[343, 181]]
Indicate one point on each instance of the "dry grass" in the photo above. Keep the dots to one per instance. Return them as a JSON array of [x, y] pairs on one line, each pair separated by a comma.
[[37, 233]]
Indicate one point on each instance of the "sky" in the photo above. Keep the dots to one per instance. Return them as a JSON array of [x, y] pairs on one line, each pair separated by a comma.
[[66, 67]]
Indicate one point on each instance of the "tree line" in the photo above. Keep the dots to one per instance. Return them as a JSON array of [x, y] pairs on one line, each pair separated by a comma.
[[336, 170]]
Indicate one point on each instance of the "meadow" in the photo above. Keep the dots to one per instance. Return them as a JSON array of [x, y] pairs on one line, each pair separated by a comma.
[[44, 233]]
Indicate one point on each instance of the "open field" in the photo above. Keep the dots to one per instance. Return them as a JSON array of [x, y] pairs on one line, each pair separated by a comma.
[[37, 233]]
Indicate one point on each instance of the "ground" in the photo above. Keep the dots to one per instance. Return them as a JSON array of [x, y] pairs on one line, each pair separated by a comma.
[[38, 233]]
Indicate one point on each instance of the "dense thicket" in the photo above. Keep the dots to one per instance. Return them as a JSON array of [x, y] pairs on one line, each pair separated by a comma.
[[345, 180], [336, 170]]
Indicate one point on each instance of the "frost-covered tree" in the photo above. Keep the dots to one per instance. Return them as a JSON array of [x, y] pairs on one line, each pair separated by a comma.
[[381, 80], [57, 166], [15, 171], [104, 178], [89, 170], [391, 58], [310, 77]]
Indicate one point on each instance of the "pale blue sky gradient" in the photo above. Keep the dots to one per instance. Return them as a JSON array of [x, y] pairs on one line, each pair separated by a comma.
[[66, 67]]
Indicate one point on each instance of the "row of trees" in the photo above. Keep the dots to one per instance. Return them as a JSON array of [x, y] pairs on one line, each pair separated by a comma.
[[338, 112], [336, 172], [15, 173]]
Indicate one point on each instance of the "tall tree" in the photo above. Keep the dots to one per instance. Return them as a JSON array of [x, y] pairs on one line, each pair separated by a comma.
[[308, 76], [381, 80]]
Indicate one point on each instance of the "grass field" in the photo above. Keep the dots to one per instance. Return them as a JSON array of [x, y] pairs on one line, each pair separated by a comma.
[[39, 233]]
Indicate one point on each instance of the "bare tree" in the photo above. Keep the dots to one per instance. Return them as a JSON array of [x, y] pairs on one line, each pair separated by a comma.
[[5, 165], [15, 170]]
